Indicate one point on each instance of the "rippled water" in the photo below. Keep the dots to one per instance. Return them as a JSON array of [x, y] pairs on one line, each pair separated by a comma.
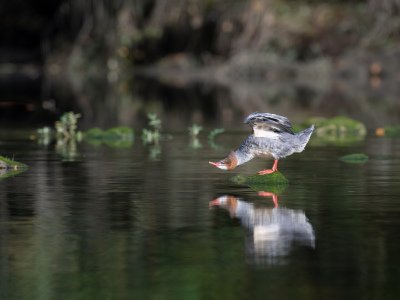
[[161, 223]]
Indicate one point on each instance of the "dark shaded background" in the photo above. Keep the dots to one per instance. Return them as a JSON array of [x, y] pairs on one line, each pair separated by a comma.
[[208, 61]]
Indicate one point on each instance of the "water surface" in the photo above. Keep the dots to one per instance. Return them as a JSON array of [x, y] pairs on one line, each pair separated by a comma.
[[136, 223]]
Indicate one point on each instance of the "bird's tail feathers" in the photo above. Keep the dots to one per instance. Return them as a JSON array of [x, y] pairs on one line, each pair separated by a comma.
[[304, 137]]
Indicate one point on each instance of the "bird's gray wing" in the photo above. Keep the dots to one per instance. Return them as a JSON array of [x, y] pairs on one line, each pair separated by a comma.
[[269, 122]]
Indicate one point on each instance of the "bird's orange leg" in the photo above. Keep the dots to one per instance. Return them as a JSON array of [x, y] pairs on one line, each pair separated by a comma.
[[269, 171], [269, 194]]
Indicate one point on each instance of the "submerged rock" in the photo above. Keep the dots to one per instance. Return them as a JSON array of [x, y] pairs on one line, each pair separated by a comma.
[[339, 130], [9, 167], [354, 158], [275, 182], [9, 164]]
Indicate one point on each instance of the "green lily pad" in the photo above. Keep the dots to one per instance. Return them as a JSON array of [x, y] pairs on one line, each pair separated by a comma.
[[275, 182], [355, 158]]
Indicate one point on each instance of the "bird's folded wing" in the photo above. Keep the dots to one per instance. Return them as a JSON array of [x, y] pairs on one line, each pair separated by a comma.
[[269, 122]]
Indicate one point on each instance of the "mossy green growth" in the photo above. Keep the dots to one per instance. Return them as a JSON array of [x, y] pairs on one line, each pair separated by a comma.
[[120, 136], [354, 158], [6, 163], [275, 182], [94, 133], [9, 167], [339, 130], [119, 133]]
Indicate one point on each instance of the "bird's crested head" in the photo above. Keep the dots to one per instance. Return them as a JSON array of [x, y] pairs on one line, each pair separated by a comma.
[[228, 163]]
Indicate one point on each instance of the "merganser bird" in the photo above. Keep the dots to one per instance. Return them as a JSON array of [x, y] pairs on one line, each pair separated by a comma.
[[272, 137]]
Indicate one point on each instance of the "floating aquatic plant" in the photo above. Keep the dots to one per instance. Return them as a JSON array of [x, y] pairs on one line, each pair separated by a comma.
[[195, 130], [67, 126], [64, 129], [354, 158], [213, 133], [154, 152], [67, 149], [152, 134], [65, 133], [154, 121], [120, 137], [195, 143], [45, 135], [211, 137]]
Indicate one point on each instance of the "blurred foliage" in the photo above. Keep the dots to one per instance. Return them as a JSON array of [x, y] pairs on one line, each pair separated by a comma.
[[66, 127], [195, 143], [65, 134], [211, 138], [152, 134], [390, 131], [145, 31], [195, 130]]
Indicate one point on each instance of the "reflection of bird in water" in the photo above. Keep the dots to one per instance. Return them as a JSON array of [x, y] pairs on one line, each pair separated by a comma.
[[272, 137], [272, 232]]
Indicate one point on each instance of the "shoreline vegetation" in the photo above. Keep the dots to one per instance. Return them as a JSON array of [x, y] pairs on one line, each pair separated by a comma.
[[303, 58], [244, 40]]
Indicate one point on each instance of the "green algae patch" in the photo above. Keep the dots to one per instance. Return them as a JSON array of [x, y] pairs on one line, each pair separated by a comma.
[[9, 164], [94, 134], [119, 137], [7, 173], [339, 130], [119, 133], [9, 167], [354, 158], [275, 182]]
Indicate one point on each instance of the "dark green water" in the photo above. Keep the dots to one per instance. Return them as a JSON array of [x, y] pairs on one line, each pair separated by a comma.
[[112, 223]]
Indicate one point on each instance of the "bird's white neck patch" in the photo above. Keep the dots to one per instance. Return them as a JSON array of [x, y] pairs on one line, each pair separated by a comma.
[[265, 133]]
